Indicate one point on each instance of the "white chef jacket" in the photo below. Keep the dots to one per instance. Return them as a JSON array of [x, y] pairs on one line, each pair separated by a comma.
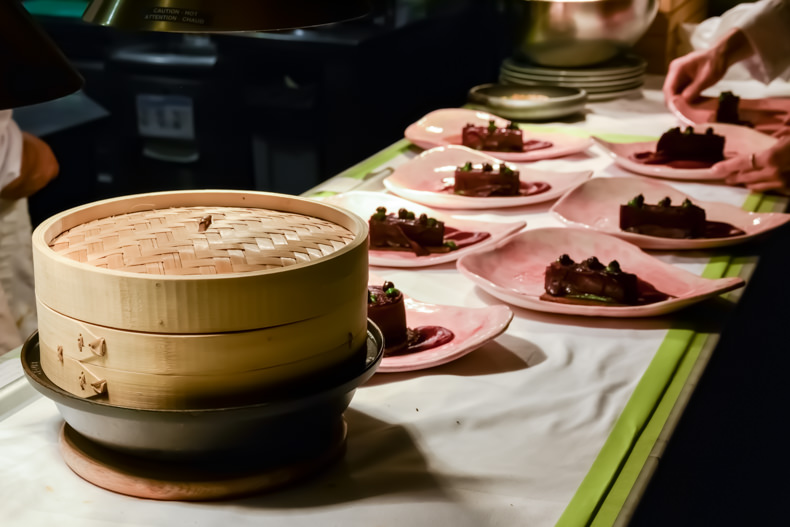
[[17, 295], [766, 24]]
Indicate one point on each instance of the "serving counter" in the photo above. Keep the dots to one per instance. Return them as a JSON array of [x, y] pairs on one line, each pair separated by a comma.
[[558, 421]]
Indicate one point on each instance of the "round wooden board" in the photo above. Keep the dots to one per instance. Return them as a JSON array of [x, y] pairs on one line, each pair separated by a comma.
[[189, 481]]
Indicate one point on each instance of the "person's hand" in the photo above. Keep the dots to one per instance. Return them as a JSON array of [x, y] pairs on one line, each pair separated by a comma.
[[764, 171], [39, 167], [690, 74]]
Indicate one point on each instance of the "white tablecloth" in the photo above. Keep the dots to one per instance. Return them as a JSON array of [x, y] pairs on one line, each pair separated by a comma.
[[501, 437]]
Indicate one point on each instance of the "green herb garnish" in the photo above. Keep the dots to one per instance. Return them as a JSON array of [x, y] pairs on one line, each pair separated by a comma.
[[637, 202]]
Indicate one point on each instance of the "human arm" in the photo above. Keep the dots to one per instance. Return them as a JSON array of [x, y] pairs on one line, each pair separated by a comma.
[[37, 168], [27, 163], [690, 74]]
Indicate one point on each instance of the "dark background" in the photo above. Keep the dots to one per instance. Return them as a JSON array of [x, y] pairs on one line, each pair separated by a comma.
[[277, 111]]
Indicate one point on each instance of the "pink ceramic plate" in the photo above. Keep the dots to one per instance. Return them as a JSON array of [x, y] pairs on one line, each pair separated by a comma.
[[767, 115], [738, 140], [514, 272], [595, 204], [443, 127], [425, 178], [364, 204], [472, 327]]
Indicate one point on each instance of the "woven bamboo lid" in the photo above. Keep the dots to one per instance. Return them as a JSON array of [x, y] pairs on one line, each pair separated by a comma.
[[200, 261], [201, 240]]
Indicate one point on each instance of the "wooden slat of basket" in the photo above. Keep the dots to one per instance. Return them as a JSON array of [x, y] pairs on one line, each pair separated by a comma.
[[177, 392], [340, 331], [216, 303]]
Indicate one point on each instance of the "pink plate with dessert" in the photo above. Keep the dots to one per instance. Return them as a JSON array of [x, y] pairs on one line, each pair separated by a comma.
[[767, 115], [738, 140], [595, 205], [469, 235], [446, 127], [515, 271], [472, 327], [430, 179]]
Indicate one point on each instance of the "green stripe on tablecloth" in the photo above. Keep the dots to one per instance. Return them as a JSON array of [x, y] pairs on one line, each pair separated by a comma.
[[603, 492], [578, 132], [365, 167]]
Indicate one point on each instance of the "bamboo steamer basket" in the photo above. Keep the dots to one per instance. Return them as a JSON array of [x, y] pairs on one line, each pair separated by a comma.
[[176, 299]]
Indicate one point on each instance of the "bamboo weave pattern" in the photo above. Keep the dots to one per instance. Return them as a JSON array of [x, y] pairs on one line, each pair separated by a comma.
[[201, 240]]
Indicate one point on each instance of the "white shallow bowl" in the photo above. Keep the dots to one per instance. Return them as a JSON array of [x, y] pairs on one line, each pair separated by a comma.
[[443, 127], [768, 114], [595, 205], [519, 102], [514, 271], [738, 140], [424, 178]]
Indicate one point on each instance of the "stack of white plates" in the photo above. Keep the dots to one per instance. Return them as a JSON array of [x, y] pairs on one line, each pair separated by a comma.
[[617, 77]]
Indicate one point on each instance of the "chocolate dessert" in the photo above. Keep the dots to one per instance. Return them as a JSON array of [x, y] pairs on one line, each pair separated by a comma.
[[591, 282], [387, 310], [664, 219], [421, 235], [689, 145], [672, 221], [685, 149], [406, 231], [727, 109], [491, 137], [486, 180]]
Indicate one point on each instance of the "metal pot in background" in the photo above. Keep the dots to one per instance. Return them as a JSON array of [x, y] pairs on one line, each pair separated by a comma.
[[572, 33]]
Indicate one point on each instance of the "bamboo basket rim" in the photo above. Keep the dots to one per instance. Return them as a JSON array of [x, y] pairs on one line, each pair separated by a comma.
[[44, 233]]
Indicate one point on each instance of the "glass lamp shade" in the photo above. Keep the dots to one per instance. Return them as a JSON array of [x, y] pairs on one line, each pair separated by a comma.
[[216, 16], [32, 68]]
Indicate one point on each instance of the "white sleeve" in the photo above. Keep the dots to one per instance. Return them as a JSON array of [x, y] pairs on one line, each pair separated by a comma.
[[767, 26], [10, 149]]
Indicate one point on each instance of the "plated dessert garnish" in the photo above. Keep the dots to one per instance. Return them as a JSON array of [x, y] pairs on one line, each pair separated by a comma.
[[494, 138], [685, 149], [423, 235], [727, 109], [672, 221], [592, 282], [489, 180], [387, 310]]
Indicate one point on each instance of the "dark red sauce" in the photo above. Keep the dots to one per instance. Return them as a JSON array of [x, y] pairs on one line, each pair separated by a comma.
[[536, 144], [712, 229], [464, 238], [526, 188], [654, 158], [648, 294], [422, 338]]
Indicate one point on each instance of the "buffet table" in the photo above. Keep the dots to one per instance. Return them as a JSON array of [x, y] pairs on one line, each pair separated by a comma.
[[558, 421]]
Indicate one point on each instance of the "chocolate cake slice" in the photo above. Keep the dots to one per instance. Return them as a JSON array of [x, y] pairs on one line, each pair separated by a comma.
[[663, 219], [691, 146], [727, 109], [387, 310], [591, 280], [406, 231], [486, 180], [493, 138]]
